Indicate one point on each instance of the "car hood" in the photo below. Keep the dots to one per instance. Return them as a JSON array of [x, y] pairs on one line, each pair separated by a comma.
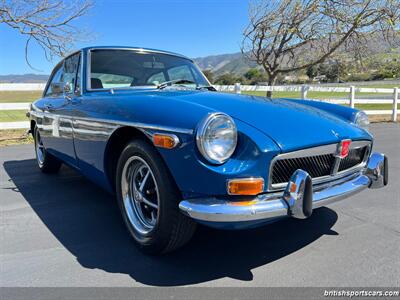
[[291, 125]]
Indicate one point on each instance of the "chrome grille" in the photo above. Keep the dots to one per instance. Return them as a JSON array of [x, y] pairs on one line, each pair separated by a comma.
[[316, 166], [354, 158], [321, 163]]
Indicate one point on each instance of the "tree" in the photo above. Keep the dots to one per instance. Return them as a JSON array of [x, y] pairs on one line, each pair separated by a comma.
[[48, 22], [252, 73], [254, 76], [290, 35], [389, 70], [227, 79], [312, 71]]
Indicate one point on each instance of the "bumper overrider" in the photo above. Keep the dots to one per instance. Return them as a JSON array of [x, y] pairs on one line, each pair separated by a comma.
[[298, 199]]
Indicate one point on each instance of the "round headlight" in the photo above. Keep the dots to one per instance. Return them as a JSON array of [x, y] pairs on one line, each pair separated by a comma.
[[361, 120], [216, 137]]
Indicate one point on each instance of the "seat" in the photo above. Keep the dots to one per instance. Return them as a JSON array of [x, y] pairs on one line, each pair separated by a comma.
[[95, 83]]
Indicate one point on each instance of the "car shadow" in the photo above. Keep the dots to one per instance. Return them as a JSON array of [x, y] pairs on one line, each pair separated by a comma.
[[86, 220]]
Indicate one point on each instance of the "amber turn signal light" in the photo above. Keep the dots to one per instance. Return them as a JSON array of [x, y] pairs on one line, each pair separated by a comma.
[[167, 141], [245, 186]]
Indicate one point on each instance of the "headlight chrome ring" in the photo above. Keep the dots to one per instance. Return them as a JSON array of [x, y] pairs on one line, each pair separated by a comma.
[[361, 120], [216, 137]]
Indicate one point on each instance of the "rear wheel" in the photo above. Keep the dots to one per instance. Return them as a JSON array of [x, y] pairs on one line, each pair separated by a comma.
[[148, 199], [46, 162]]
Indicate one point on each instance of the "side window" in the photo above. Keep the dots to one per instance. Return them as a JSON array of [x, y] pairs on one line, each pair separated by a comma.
[[101, 80], [181, 72], [66, 73], [69, 76], [156, 78], [51, 90]]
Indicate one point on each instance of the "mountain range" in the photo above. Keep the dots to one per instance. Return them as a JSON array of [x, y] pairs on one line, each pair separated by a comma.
[[25, 78], [219, 64], [235, 63]]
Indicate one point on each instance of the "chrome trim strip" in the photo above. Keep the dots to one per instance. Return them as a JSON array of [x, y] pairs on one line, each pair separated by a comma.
[[319, 150], [120, 123], [273, 205], [81, 65], [336, 165], [138, 49], [88, 68]]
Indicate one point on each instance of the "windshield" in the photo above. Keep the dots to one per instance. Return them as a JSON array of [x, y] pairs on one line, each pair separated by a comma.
[[133, 68]]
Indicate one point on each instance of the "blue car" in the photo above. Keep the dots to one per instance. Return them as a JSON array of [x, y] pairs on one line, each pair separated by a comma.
[[147, 126]]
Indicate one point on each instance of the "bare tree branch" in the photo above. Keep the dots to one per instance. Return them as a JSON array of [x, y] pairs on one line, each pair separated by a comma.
[[47, 22], [289, 35]]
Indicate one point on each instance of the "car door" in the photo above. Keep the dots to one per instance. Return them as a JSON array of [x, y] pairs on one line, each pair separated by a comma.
[[62, 94]]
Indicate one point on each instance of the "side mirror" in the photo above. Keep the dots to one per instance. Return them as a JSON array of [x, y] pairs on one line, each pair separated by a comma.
[[67, 88], [56, 88]]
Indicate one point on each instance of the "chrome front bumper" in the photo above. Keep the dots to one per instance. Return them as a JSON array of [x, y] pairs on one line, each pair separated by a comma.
[[298, 200]]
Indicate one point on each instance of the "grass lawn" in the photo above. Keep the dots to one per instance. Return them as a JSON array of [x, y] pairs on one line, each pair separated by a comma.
[[19, 96], [13, 115], [375, 106]]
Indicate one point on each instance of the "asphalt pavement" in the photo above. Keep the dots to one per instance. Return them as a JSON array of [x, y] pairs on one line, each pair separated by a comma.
[[63, 230]]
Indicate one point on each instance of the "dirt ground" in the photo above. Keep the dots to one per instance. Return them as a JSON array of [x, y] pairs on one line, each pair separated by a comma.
[[15, 137]]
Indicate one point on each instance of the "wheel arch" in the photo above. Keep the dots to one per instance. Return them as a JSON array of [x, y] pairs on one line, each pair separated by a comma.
[[115, 145]]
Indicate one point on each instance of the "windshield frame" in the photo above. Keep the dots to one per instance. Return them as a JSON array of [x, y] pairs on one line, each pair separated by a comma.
[[88, 87]]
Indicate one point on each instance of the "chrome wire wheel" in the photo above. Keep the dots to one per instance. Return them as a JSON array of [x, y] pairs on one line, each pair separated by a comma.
[[39, 148], [140, 194]]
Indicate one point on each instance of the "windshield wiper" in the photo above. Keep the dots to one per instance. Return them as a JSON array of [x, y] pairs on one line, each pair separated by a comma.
[[176, 81], [207, 87]]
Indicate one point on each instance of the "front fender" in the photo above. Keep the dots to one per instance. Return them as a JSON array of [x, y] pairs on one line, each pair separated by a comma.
[[196, 177]]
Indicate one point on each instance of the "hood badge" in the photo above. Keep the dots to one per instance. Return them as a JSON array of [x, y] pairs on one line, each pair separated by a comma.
[[342, 151], [335, 133]]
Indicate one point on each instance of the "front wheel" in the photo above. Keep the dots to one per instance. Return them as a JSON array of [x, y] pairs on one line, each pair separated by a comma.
[[46, 162], [148, 199]]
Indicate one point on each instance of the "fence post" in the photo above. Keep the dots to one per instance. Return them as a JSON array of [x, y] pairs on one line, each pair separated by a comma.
[[395, 101], [237, 88], [304, 90], [352, 96]]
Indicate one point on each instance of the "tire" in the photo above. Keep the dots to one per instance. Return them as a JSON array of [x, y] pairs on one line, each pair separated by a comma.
[[149, 203], [47, 163]]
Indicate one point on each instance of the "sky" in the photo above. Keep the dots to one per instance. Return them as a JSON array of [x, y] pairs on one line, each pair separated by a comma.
[[194, 28]]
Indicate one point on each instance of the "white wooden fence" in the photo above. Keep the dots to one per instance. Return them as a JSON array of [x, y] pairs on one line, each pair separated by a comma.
[[351, 100], [304, 89], [22, 86]]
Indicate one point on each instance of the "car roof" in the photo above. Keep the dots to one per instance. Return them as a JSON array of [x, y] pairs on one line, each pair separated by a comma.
[[135, 48]]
